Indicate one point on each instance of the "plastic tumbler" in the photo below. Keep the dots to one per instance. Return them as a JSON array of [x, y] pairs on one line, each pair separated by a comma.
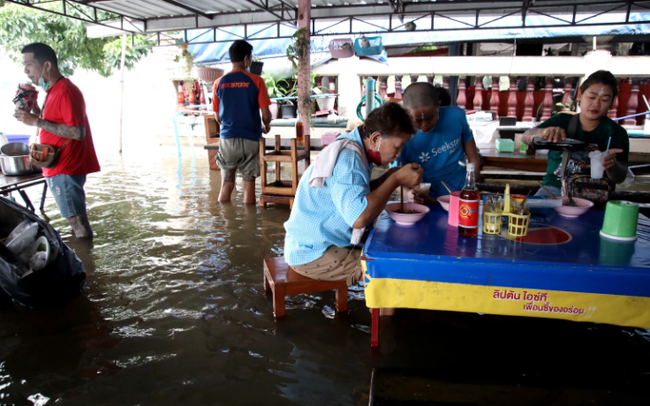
[[621, 220], [597, 164], [454, 202]]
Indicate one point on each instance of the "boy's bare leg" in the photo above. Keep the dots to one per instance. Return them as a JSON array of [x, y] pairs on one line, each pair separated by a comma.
[[80, 226], [249, 192], [227, 185]]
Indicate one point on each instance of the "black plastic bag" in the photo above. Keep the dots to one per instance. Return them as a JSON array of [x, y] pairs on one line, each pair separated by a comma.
[[60, 281]]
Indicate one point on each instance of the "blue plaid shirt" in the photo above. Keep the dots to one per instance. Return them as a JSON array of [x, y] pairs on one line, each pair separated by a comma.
[[322, 217]]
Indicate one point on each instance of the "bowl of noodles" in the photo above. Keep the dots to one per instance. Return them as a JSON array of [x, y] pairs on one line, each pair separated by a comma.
[[411, 214]]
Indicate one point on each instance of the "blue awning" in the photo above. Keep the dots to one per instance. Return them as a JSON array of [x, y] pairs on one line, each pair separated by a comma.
[[276, 47]]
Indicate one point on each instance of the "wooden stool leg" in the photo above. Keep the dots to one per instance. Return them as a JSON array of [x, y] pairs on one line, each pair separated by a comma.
[[262, 203], [278, 302], [374, 328], [267, 285], [342, 299]]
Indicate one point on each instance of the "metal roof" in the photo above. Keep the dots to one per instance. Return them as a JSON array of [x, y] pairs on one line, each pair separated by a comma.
[[266, 18]]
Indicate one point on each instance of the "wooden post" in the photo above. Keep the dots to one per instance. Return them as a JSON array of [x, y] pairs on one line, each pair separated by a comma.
[[461, 101], [398, 87], [494, 98], [568, 86], [122, 87], [478, 93], [548, 99], [512, 97], [383, 86], [304, 68], [632, 102], [530, 100]]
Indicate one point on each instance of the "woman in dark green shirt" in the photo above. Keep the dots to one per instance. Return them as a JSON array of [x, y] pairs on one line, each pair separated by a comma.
[[596, 97]]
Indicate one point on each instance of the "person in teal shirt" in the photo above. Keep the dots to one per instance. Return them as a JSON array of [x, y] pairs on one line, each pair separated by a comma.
[[443, 139], [596, 97]]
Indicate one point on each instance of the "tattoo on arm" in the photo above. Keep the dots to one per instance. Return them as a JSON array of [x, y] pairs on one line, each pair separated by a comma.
[[74, 133], [527, 137]]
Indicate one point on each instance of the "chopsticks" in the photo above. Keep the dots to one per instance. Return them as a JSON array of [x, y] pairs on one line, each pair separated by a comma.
[[547, 191], [446, 187], [401, 195]]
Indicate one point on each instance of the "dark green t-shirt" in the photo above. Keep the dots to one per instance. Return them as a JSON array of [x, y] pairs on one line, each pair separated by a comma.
[[600, 135]]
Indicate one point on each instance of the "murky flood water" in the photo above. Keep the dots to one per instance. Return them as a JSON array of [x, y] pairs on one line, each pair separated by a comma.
[[175, 313]]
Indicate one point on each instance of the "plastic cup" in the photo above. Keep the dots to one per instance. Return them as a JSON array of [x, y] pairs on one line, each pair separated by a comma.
[[454, 202], [597, 169]]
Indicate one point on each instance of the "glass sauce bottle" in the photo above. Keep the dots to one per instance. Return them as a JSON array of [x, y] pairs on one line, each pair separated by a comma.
[[468, 208], [300, 130]]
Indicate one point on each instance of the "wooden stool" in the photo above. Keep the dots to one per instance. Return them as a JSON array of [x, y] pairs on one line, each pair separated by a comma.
[[281, 191], [280, 279], [212, 132]]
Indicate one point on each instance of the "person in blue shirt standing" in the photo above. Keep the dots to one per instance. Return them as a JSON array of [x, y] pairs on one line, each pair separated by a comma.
[[237, 100], [336, 200], [443, 139]]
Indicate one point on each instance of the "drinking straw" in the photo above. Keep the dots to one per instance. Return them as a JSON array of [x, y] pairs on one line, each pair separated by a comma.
[[608, 142], [446, 187], [646, 102]]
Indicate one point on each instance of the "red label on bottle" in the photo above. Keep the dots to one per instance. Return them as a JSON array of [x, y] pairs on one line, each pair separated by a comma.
[[468, 213]]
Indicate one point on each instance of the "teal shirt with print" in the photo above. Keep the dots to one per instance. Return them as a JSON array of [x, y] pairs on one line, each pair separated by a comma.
[[600, 135], [439, 151]]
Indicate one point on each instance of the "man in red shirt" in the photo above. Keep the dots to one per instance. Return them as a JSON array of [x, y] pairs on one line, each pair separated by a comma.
[[63, 123]]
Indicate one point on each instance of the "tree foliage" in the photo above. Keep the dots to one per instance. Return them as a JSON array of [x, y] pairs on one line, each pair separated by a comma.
[[20, 26]]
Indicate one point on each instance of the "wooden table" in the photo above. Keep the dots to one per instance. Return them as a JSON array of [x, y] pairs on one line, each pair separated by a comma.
[[563, 269], [18, 183], [513, 160]]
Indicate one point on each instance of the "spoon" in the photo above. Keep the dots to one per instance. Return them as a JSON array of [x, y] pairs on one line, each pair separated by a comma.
[[571, 203]]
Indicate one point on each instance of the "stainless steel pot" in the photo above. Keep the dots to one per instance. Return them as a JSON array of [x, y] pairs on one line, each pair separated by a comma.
[[14, 159]]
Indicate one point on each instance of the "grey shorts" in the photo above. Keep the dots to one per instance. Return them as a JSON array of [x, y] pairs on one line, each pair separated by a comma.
[[239, 153], [336, 264]]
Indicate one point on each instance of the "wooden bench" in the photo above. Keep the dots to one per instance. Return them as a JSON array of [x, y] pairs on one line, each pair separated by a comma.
[[281, 280]]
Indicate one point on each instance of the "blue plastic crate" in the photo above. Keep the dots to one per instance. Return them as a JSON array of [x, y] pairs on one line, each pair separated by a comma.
[[375, 47]]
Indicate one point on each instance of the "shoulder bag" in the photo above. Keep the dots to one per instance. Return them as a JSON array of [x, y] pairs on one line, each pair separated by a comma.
[[44, 155]]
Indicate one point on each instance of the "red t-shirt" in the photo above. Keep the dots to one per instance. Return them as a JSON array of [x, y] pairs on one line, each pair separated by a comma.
[[65, 104]]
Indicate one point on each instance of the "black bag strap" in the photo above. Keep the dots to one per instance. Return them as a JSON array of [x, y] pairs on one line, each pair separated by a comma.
[[573, 127]]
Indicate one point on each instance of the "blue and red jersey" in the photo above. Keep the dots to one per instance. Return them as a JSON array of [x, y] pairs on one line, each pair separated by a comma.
[[238, 97]]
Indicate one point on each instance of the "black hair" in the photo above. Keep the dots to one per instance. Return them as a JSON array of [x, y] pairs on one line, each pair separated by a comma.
[[604, 77], [444, 98], [239, 50], [390, 120], [420, 94], [42, 53]]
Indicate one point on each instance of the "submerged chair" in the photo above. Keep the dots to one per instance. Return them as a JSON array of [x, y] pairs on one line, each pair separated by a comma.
[[282, 191]]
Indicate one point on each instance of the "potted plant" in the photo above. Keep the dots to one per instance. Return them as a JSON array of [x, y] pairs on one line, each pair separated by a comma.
[[256, 66], [287, 89], [274, 93]]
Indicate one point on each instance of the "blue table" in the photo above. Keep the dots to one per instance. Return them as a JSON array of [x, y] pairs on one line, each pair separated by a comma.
[[565, 270]]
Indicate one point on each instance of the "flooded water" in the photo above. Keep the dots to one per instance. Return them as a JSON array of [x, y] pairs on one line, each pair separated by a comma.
[[175, 313]]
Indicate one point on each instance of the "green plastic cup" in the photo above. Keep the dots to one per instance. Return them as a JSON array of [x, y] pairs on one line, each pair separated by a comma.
[[621, 220]]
